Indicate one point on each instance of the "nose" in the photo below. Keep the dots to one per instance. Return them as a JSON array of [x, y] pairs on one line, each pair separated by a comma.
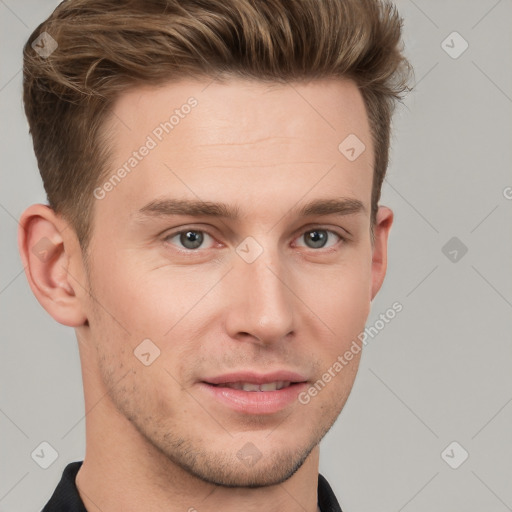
[[261, 300]]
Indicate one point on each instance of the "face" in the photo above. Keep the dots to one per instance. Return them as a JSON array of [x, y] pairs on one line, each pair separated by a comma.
[[232, 258]]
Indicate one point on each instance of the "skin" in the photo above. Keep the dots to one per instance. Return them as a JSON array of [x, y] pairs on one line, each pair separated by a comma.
[[154, 439]]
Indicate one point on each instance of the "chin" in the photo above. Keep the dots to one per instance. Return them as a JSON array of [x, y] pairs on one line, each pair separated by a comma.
[[232, 466], [251, 474]]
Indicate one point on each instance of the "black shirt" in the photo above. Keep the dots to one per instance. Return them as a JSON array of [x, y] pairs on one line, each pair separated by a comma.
[[65, 498]]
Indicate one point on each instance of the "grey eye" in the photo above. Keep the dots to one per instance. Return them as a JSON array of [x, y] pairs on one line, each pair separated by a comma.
[[191, 239], [318, 238]]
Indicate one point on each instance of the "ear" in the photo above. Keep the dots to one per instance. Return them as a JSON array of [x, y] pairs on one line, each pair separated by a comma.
[[46, 258], [380, 248]]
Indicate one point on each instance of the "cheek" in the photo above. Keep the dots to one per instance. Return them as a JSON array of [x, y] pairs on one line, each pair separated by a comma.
[[138, 300], [341, 297]]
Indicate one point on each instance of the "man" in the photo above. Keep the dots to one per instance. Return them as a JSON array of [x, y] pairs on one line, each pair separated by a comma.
[[213, 235]]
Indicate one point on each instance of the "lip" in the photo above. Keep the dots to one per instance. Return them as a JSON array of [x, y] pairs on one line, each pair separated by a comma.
[[255, 402]]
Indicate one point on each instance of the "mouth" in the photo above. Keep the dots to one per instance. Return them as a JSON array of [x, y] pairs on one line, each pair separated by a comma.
[[251, 393], [253, 381], [252, 386]]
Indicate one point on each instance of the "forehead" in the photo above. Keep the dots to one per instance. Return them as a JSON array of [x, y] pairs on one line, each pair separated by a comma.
[[315, 109], [239, 138]]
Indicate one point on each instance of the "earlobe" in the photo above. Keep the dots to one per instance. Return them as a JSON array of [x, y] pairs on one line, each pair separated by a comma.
[[380, 248], [46, 258]]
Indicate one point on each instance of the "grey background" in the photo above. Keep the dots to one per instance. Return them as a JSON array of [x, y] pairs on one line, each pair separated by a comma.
[[439, 372]]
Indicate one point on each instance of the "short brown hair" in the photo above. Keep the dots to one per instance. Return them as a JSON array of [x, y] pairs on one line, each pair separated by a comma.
[[106, 47]]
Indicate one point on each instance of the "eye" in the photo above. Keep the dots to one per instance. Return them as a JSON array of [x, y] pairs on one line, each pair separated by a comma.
[[190, 239], [317, 238], [194, 239]]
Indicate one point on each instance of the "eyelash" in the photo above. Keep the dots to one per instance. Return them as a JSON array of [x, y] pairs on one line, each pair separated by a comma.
[[343, 239]]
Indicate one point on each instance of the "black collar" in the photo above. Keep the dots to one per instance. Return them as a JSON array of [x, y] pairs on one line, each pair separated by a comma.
[[66, 498]]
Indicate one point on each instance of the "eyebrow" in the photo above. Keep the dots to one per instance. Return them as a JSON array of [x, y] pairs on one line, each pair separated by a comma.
[[196, 208]]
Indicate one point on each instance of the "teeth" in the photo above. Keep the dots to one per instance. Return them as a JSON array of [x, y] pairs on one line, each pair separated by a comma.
[[249, 386], [269, 386]]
